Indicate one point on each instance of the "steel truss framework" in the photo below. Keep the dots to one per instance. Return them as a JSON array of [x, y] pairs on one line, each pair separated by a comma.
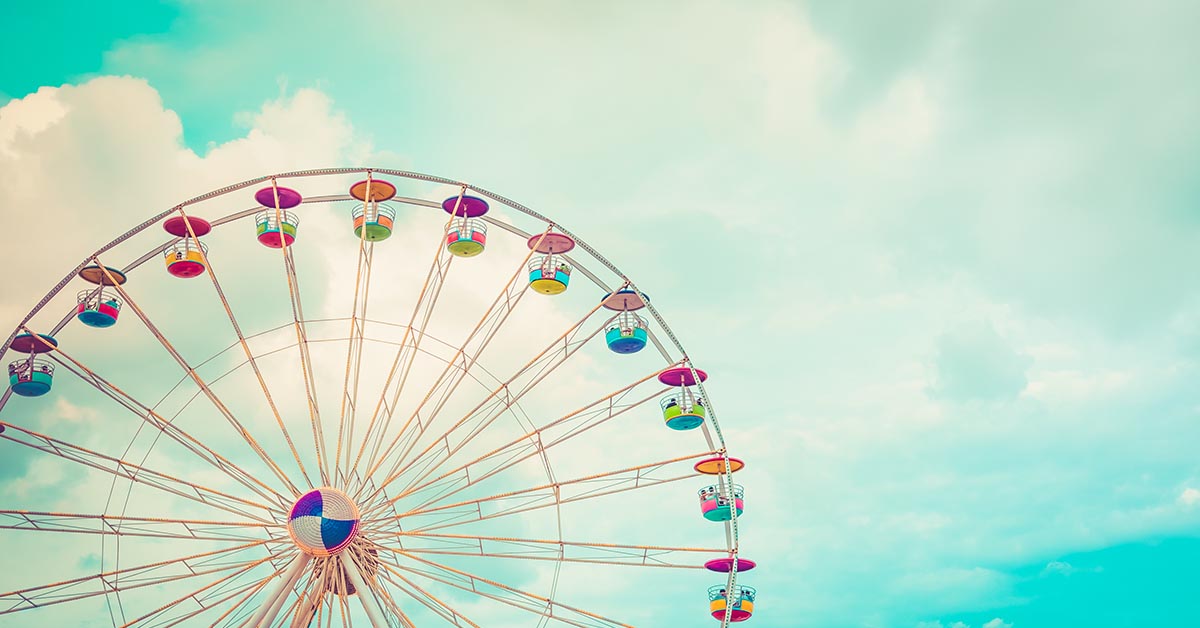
[[425, 475]]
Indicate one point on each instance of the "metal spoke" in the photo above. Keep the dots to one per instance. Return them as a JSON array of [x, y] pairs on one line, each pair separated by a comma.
[[151, 527], [297, 593], [424, 598], [309, 600], [546, 495], [362, 287], [129, 578], [526, 446], [241, 604], [381, 593], [365, 595], [201, 596], [306, 363], [212, 274], [406, 354], [489, 324], [512, 596], [274, 600], [417, 485], [494, 405], [164, 426], [546, 549], [137, 473], [183, 363]]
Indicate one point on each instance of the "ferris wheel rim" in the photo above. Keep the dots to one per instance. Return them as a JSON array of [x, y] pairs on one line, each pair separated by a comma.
[[627, 284], [581, 243], [324, 172]]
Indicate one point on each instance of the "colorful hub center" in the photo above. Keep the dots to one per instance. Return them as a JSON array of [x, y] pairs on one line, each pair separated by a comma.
[[323, 522]]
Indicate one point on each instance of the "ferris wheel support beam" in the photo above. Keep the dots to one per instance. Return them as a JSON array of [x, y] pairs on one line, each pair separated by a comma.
[[237, 329], [265, 615], [309, 600], [369, 603], [384, 596], [212, 397]]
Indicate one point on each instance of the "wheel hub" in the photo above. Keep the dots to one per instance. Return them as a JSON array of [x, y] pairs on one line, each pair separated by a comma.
[[323, 522]]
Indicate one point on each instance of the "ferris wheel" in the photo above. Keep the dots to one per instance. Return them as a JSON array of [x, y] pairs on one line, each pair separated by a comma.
[[431, 405]]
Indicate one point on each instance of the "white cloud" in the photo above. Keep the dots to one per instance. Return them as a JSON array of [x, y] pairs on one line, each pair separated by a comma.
[[79, 165], [974, 363], [898, 126], [912, 214], [105, 155], [1059, 567], [950, 590], [148, 170], [67, 411], [997, 623], [26, 117]]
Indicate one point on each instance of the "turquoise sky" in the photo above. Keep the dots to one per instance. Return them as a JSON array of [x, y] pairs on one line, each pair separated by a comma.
[[942, 254]]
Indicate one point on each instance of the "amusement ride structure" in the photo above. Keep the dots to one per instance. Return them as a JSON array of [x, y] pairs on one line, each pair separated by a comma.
[[332, 469]]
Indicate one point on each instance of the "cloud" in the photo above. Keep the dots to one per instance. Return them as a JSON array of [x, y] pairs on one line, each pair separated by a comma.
[[957, 589], [79, 165], [953, 325], [29, 116], [903, 122], [124, 119], [1059, 567], [104, 155], [974, 363], [995, 623]]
